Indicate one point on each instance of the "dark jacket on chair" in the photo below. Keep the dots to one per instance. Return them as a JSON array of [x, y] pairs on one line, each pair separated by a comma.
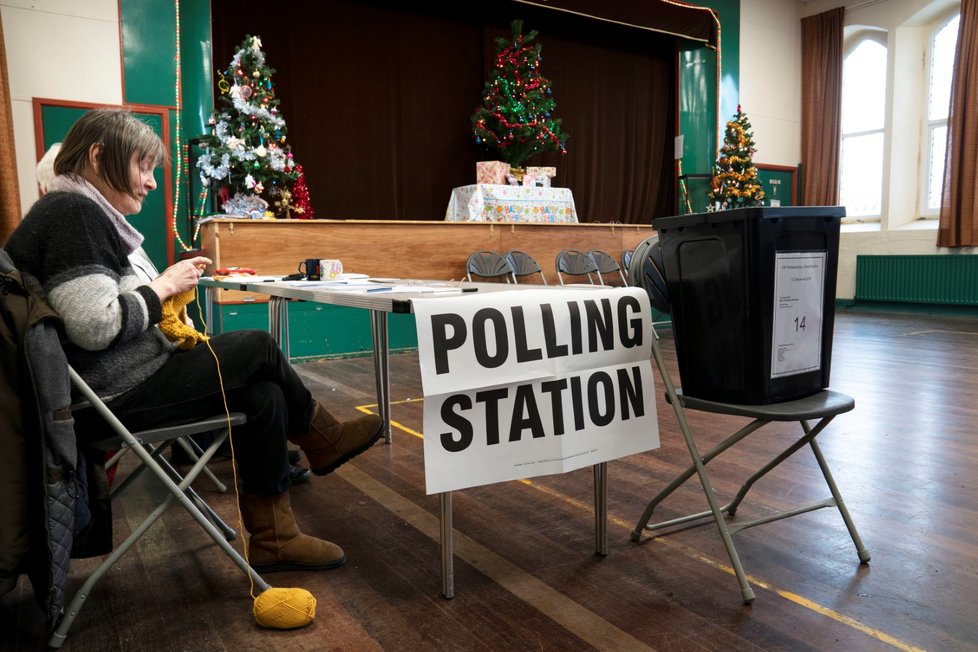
[[44, 482]]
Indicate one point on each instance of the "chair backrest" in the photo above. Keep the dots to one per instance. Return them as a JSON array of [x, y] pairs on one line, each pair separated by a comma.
[[606, 264], [488, 264], [524, 264], [576, 263], [646, 270], [626, 259]]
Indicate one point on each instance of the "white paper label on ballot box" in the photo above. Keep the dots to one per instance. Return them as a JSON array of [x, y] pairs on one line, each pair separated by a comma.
[[523, 383], [799, 293]]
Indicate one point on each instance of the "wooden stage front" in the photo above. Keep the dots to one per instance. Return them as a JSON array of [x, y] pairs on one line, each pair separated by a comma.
[[403, 249]]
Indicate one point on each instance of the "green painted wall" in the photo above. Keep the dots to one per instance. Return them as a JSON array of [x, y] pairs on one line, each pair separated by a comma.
[[699, 122], [150, 68]]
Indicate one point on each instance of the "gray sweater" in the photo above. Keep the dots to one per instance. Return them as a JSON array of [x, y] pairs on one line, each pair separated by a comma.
[[70, 253]]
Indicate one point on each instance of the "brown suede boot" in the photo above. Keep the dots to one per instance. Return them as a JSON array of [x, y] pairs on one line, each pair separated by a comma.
[[330, 442], [276, 544]]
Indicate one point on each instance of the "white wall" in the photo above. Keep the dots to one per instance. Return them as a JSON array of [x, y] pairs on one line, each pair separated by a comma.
[[770, 85], [57, 49]]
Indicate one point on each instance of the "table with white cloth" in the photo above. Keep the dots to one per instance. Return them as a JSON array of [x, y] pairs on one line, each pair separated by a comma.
[[483, 202]]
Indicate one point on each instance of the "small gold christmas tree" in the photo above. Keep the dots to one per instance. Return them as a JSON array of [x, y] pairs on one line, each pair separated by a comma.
[[734, 183]]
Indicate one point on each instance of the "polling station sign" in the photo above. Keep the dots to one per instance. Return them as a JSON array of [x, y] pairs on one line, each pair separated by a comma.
[[525, 383]]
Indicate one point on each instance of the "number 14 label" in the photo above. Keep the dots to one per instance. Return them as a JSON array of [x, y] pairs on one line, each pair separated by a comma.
[[799, 292]]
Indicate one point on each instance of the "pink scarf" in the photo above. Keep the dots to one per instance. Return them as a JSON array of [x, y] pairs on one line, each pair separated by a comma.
[[131, 238]]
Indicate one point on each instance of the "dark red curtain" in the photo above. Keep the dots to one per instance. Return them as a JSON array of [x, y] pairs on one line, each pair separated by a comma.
[[377, 99]]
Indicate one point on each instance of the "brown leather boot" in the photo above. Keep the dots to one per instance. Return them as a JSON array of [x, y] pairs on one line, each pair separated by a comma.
[[276, 544], [330, 442]]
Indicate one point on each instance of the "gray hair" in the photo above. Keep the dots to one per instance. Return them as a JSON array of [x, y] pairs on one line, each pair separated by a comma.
[[120, 135]]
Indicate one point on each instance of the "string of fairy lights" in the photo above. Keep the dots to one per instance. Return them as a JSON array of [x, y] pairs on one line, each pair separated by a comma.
[[183, 154]]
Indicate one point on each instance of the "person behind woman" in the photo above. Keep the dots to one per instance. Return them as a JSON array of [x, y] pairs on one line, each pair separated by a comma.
[[76, 249]]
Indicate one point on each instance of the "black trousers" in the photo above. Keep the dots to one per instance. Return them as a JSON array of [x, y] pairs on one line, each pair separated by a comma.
[[257, 380]]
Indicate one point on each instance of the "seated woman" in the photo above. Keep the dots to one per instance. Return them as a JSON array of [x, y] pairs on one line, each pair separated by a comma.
[[76, 249]]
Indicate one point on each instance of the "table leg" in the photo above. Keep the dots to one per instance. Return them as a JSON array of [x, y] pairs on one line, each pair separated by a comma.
[[209, 310], [378, 327], [601, 509], [447, 546], [278, 322]]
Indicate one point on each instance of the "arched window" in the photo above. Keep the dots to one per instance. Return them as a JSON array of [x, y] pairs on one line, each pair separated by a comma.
[[940, 67], [863, 121]]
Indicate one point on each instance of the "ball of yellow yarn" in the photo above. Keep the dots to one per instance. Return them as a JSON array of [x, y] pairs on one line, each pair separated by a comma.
[[284, 608]]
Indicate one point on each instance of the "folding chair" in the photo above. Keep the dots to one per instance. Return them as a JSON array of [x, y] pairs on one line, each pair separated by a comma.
[[820, 407], [524, 264], [606, 264], [489, 264], [148, 445], [626, 258], [576, 263]]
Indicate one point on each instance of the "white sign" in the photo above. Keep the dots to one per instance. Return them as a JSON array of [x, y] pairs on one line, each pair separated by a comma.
[[532, 382], [799, 293]]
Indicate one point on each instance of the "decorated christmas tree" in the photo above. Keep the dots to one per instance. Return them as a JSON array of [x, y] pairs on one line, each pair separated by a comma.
[[247, 161], [301, 206], [516, 117], [734, 183]]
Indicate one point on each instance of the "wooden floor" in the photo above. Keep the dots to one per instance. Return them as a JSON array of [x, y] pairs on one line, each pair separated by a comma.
[[526, 574]]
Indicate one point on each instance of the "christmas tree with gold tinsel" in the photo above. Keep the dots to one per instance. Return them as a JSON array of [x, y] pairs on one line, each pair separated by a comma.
[[734, 183]]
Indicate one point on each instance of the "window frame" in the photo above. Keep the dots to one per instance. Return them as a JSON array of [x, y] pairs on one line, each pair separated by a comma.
[[928, 125], [851, 43]]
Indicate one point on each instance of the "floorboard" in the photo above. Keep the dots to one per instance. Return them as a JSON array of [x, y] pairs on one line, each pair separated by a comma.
[[527, 577]]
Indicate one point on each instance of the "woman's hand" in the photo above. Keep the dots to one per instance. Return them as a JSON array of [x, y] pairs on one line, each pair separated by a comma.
[[179, 277]]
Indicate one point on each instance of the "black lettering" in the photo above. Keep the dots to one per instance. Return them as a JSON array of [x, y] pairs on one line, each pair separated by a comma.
[[555, 389], [525, 414], [450, 442], [629, 322], [554, 350], [440, 340], [575, 327], [491, 398], [577, 401], [608, 390], [599, 326], [523, 353], [630, 393], [480, 339]]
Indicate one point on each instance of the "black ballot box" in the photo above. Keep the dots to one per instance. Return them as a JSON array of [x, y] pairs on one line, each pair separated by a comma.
[[752, 292]]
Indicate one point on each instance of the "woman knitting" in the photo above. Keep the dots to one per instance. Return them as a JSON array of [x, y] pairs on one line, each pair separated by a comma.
[[77, 250]]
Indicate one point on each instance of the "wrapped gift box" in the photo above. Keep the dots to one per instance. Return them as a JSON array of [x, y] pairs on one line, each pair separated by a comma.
[[493, 172], [540, 176]]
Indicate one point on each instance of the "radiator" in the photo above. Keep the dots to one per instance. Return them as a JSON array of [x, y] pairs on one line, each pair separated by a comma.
[[933, 279]]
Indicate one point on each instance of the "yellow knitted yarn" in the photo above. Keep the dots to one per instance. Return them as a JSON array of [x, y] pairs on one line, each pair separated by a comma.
[[279, 608], [173, 323]]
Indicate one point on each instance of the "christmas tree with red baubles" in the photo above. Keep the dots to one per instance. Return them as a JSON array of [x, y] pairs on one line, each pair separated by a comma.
[[734, 183], [516, 116], [246, 155]]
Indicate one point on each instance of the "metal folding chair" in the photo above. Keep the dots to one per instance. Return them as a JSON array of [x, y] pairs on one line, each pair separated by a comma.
[[148, 446], [606, 264], [819, 408], [489, 264], [576, 263], [524, 264]]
